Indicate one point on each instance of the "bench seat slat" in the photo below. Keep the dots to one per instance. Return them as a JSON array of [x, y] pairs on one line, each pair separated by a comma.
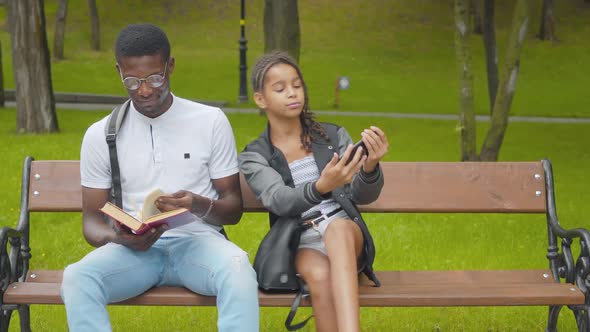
[[474, 295], [461, 277], [422, 295], [398, 277], [400, 288]]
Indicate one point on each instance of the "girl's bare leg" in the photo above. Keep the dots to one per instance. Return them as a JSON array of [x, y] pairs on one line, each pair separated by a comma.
[[344, 243], [314, 268]]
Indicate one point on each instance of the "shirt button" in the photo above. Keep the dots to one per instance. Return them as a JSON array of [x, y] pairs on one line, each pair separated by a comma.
[[355, 219], [330, 147], [342, 195]]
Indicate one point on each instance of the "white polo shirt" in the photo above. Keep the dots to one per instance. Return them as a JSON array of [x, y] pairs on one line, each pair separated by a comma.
[[182, 149]]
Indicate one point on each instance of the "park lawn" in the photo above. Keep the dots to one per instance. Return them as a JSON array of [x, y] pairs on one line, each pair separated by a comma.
[[398, 54], [404, 241]]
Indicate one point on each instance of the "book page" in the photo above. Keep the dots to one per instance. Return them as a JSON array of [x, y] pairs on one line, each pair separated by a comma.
[[173, 219], [121, 216], [149, 208], [166, 215]]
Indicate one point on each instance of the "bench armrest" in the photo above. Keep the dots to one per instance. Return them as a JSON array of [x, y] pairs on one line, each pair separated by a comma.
[[11, 260], [574, 271], [563, 264]]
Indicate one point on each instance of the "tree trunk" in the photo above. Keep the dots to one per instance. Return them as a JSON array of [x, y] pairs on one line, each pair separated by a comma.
[[35, 102], [547, 30], [2, 97], [489, 41], [467, 115], [60, 29], [477, 12], [94, 25], [281, 27], [499, 120]]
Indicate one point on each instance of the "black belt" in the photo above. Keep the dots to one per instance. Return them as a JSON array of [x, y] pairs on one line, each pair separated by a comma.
[[318, 217]]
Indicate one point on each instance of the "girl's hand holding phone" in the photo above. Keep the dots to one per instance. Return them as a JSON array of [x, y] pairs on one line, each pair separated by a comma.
[[340, 171], [376, 145]]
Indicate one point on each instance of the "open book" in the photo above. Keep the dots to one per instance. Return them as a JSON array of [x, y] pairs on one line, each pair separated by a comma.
[[149, 216]]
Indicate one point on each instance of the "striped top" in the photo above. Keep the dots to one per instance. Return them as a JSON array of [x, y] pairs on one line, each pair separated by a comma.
[[306, 170]]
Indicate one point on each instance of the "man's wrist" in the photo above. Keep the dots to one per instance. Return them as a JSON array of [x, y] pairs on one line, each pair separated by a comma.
[[207, 211]]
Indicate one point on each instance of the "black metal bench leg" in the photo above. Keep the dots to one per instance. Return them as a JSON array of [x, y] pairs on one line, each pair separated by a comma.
[[582, 316], [584, 320], [24, 314], [5, 320], [552, 318]]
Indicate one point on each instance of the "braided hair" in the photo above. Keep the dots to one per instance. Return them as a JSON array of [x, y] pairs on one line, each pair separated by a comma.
[[306, 117]]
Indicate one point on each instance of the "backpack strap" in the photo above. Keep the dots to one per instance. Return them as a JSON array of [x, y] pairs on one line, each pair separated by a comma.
[[111, 130], [301, 293]]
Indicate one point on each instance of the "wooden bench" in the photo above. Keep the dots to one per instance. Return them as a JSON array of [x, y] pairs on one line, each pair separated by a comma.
[[502, 187]]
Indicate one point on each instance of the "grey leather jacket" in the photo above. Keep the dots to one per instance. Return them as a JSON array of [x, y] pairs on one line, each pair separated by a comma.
[[266, 170]]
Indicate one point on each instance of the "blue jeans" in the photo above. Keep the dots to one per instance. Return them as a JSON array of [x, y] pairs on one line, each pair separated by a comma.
[[205, 264]]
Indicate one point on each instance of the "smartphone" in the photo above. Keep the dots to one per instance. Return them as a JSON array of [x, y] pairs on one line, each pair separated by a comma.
[[359, 144]]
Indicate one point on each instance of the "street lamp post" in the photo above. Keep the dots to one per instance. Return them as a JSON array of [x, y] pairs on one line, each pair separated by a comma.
[[243, 96]]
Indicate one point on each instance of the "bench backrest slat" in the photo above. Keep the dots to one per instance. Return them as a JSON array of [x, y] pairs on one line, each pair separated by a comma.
[[411, 187], [55, 186], [462, 187]]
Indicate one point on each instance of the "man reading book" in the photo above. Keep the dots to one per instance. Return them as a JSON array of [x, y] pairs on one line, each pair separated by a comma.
[[185, 149]]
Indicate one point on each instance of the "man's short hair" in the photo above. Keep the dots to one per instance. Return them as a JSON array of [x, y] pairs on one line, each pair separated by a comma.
[[140, 40]]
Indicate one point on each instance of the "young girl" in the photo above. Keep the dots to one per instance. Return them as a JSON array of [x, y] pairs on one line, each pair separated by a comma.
[[309, 173]]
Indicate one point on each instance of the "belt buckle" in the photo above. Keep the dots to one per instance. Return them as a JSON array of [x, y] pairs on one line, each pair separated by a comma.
[[315, 225]]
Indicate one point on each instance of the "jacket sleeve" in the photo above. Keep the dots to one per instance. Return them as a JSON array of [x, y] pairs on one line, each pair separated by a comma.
[[270, 189], [364, 188]]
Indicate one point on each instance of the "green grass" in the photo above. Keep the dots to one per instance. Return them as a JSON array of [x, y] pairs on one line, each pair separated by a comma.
[[404, 241], [399, 54]]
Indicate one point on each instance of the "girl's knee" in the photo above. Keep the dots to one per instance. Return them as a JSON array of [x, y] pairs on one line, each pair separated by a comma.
[[315, 275], [342, 229]]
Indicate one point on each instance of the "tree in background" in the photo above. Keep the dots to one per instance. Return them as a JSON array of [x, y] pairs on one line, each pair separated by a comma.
[[489, 42], [547, 29], [476, 10], [60, 29], [506, 86], [467, 113], [94, 25], [2, 96], [35, 102], [281, 27]]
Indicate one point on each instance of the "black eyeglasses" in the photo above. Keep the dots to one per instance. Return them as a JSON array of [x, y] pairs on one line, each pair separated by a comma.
[[154, 81]]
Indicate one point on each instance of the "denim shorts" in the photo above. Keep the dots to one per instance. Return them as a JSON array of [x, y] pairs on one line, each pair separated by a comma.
[[313, 238]]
